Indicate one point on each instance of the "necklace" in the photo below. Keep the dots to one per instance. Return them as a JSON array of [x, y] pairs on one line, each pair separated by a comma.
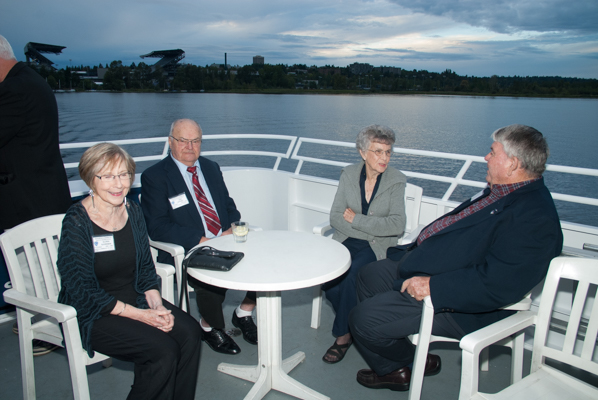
[[104, 221], [118, 224]]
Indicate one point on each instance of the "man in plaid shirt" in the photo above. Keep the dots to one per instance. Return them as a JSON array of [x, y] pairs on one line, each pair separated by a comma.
[[487, 253]]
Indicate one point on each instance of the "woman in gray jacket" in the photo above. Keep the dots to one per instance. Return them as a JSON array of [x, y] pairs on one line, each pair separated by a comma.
[[368, 215]]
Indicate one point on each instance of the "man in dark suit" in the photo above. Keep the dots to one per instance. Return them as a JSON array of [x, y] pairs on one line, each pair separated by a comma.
[[33, 181], [185, 201], [487, 253]]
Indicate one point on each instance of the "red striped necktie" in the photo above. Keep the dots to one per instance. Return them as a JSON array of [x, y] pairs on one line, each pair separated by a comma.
[[210, 216]]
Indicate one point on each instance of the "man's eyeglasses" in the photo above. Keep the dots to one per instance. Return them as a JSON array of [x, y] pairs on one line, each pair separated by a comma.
[[379, 152], [184, 142], [124, 177]]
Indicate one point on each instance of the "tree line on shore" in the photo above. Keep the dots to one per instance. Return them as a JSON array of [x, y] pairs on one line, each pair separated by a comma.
[[270, 78]]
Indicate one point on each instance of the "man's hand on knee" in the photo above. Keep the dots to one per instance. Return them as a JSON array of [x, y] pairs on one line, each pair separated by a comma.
[[418, 287]]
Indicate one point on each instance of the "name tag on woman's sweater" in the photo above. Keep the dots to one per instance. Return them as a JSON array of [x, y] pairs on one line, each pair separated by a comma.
[[103, 243]]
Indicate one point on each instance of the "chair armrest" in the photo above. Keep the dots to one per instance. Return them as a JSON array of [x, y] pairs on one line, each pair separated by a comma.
[[173, 249], [428, 302], [177, 252], [322, 229], [522, 305], [166, 273], [61, 312], [164, 270], [478, 340], [411, 236], [575, 252]]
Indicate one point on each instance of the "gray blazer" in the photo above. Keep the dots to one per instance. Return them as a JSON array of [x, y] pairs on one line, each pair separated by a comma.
[[385, 222]]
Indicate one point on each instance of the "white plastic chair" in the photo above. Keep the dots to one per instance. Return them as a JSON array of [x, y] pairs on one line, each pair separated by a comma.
[[413, 199], [575, 348], [178, 254], [425, 337], [31, 251]]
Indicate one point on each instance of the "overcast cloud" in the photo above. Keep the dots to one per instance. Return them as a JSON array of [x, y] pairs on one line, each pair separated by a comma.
[[471, 37]]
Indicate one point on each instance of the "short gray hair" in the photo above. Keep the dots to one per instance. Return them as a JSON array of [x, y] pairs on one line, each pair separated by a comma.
[[525, 143], [374, 133], [5, 49]]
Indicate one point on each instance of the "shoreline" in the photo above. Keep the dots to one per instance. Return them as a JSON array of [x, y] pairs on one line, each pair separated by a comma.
[[339, 92]]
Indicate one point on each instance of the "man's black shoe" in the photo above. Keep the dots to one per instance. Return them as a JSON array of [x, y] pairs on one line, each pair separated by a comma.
[[398, 380], [247, 326], [220, 342]]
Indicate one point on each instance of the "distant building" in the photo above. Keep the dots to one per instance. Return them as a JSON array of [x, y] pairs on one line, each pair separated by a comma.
[[168, 60], [329, 70], [102, 72], [258, 60], [220, 66], [360, 68], [33, 53], [390, 70]]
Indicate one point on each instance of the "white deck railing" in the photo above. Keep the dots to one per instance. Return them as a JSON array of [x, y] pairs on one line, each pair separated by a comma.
[[295, 144], [164, 140], [454, 181]]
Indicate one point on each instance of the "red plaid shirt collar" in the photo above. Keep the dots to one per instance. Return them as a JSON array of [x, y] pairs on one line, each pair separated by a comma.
[[497, 192]]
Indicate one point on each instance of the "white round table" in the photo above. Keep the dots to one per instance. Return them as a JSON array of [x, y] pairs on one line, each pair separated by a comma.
[[275, 261]]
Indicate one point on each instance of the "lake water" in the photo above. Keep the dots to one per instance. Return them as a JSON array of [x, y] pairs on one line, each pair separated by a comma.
[[454, 124]]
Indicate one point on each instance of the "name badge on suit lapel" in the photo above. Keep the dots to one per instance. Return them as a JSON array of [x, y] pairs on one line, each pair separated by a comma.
[[178, 201]]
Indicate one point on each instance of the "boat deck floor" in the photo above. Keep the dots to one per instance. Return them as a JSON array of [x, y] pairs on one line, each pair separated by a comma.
[[336, 381]]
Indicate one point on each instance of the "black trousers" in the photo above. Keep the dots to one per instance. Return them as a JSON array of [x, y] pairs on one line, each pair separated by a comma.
[[209, 301], [166, 364], [341, 291], [384, 317]]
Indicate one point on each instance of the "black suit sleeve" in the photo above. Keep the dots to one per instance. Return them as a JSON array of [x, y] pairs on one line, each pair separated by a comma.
[[12, 117], [517, 260], [162, 222]]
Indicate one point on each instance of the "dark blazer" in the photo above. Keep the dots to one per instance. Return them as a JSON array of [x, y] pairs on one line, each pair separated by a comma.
[[183, 225], [33, 181], [489, 259]]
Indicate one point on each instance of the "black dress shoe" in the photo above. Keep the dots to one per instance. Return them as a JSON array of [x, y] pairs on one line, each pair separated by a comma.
[[433, 365], [220, 342], [247, 326], [397, 380]]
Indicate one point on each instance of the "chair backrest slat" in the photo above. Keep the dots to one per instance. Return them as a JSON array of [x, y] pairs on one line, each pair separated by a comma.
[[589, 344], [48, 265], [575, 317], [578, 347], [413, 199], [33, 260], [54, 257], [31, 251]]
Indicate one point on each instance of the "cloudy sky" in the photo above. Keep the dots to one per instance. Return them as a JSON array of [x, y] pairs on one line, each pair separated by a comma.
[[471, 37]]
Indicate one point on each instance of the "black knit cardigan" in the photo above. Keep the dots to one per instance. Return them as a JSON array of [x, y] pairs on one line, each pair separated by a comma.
[[79, 285]]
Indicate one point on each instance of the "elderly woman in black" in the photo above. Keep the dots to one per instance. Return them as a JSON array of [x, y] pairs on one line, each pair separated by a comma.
[[109, 277]]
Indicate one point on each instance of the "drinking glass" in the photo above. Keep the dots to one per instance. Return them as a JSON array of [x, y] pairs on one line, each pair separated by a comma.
[[240, 231]]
